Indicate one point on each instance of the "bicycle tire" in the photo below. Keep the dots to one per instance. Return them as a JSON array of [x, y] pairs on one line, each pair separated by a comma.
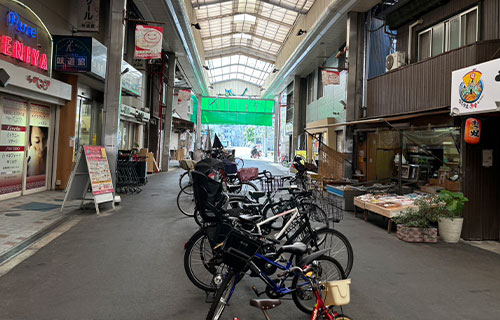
[[342, 317], [240, 163], [222, 296], [197, 218], [245, 187], [182, 179], [185, 201], [198, 247], [300, 294], [339, 245]]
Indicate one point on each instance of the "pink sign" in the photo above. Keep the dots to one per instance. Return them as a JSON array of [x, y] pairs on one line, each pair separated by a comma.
[[148, 41], [97, 163]]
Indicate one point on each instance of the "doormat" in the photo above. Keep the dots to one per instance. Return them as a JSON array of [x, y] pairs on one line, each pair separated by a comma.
[[38, 206]]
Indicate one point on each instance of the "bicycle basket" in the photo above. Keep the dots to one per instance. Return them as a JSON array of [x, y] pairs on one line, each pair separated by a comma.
[[239, 250], [332, 205], [248, 174], [337, 293]]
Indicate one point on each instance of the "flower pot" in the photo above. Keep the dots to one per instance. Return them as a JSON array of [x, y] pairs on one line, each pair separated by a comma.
[[409, 234], [450, 229]]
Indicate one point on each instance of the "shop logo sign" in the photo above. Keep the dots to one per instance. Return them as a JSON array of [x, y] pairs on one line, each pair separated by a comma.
[[14, 20], [40, 84], [471, 89]]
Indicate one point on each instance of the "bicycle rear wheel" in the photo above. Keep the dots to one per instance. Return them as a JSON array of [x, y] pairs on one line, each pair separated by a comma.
[[184, 179], [303, 296], [185, 201], [222, 297], [340, 247]]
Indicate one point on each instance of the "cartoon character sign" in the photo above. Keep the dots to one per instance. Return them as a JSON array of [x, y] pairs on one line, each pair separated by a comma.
[[471, 89], [148, 40]]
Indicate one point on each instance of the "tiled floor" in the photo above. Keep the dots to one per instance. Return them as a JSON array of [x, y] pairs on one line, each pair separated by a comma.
[[23, 217]]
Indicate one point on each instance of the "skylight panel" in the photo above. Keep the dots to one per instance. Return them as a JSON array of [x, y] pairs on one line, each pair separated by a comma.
[[244, 17]]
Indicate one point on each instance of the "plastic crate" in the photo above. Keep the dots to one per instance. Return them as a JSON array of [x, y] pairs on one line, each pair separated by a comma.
[[238, 250], [337, 293]]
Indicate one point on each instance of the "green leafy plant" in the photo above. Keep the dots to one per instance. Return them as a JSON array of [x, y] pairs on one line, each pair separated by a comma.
[[454, 203], [424, 216]]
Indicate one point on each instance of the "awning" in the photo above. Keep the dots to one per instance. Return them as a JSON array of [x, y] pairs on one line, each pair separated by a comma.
[[381, 120], [182, 125]]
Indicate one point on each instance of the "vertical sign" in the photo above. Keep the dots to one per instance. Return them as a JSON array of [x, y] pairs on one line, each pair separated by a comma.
[[148, 41], [37, 146], [12, 141], [88, 15], [98, 166]]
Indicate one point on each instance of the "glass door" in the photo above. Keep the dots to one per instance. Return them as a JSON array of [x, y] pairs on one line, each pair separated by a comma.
[[83, 123]]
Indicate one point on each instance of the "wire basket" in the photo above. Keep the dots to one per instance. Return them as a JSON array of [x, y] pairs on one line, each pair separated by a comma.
[[332, 205], [238, 250], [271, 183]]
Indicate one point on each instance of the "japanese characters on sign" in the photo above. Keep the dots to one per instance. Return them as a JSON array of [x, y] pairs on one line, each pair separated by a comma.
[[72, 54], [148, 41], [88, 15], [98, 166]]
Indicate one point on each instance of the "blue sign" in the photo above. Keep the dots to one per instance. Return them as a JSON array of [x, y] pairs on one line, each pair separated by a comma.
[[72, 54], [22, 27]]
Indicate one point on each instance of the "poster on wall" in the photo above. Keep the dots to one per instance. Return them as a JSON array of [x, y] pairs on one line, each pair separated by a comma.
[[88, 15], [38, 136], [12, 140], [148, 41], [330, 77]]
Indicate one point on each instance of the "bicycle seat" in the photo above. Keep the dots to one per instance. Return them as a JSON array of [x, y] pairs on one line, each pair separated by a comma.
[[297, 248], [265, 304], [250, 218], [256, 195]]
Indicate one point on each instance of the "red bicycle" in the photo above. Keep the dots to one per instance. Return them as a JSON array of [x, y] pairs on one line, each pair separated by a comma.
[[327, 295]]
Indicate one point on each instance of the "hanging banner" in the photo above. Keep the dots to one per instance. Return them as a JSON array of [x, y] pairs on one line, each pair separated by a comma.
[[88, 15], [330, 77], [148, 41], [184, 95]]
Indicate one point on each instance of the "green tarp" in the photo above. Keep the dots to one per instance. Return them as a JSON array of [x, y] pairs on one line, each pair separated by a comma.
[[238, 111]]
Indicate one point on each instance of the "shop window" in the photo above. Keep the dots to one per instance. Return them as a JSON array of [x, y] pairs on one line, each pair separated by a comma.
[[320, 83], [453, 33]]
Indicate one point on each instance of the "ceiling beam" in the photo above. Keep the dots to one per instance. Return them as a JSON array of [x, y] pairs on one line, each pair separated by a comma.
[[246, 51], [276, 3], [244, 65], [249, 33], [281, 23]]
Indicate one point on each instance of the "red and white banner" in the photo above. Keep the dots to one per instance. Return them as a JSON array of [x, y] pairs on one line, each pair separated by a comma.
[[330, 77], [184, 95], [148, 41]]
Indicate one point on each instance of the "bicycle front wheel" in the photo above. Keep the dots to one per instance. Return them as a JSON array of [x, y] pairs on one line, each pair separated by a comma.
[[328, 269], [185, 201], [222, 297], [340, 247], [184, 179]]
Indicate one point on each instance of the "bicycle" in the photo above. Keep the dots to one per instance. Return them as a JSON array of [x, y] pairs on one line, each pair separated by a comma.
[[240, 253]]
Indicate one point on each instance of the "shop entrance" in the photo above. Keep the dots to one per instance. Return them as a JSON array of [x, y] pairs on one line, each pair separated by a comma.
[[26, 146]]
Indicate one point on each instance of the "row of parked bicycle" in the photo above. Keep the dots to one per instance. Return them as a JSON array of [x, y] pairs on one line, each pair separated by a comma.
[[268, 227]]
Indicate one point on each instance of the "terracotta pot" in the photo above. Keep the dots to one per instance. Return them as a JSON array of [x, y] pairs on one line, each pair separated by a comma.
[[450, 229]]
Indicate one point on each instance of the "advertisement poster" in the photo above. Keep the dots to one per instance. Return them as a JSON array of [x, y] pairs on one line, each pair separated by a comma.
[[98, 166], [330, 77], [148, 40], [38, 136], [12, 139]]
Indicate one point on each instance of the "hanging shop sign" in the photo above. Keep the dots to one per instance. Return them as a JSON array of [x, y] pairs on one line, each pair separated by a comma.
[[472, 132], [476, 89], [148, 42], [88, 15], [72, 54], [134, 114], [184, 95], [24, 39], [330, 77], [131, 80]]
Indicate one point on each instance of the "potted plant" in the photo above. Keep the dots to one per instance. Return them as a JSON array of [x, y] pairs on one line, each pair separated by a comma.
[[418, 224], [450, 220]]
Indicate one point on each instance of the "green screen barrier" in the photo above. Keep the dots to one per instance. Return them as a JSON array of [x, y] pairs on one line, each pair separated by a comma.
[[244, 111]]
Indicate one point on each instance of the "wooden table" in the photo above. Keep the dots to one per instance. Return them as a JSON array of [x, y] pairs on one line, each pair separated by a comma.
[[386, 212]]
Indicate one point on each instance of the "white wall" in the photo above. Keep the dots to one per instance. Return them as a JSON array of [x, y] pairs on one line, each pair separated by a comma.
[[237, 87], [184, 108]]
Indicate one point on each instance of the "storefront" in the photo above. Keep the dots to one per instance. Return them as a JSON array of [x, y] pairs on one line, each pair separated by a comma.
[[132, 126], [29, 102]]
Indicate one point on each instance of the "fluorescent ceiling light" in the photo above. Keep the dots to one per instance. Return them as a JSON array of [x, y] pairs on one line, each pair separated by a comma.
[[242, 36], [244, 17]]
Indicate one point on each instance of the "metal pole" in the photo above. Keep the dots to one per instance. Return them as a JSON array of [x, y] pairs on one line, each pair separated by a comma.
[[168, 111], [277, 131], [198, 124], [400, 177], [112, 84]]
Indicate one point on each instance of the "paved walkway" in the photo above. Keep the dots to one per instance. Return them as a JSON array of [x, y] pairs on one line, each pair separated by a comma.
[[129, 265]]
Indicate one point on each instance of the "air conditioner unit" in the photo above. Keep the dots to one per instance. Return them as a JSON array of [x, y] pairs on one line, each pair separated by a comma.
[[394, 61]]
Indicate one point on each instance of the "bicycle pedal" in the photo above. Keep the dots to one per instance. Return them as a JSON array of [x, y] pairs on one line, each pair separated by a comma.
[[254, 288]]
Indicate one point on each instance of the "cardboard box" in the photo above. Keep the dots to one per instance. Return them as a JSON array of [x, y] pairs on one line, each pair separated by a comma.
[[152, 165]]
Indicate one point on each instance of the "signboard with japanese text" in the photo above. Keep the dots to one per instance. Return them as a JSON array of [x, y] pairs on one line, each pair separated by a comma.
[[330, 77], [148, 41], [72, 54], [88, 15], [24, 39], [38, 137], [12, 142], [98, 166], [476, 89]]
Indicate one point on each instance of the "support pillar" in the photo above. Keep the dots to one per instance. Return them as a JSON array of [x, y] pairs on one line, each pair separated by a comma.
[[198, 124], [112, 84], [168, 111], [299, 113], [277, 126]]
